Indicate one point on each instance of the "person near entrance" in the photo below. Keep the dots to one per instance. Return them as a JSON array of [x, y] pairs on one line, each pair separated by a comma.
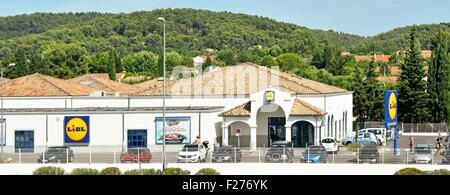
[[197, 140]]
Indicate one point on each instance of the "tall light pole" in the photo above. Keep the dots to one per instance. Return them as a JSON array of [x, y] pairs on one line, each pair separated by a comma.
[[164, 96], [2, 120]]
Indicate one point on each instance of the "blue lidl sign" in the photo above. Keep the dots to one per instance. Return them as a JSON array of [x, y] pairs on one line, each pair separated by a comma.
[[76, 129], [390, 108]]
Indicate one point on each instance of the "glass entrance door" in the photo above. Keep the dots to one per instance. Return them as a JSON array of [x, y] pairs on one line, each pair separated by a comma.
[[277, 131], [302, 134]]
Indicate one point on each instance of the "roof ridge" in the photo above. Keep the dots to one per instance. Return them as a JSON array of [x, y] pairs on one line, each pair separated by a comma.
[[310, 106], [51, 83]]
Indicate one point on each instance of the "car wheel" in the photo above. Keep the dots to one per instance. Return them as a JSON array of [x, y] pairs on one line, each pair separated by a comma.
[[348, 143]]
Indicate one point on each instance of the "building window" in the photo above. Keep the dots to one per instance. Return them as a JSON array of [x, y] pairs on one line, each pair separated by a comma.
[[137, 138], [24, 141]]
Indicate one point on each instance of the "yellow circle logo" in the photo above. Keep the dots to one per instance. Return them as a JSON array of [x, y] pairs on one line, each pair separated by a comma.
[[76, 129], [269, 96], [392, 105]]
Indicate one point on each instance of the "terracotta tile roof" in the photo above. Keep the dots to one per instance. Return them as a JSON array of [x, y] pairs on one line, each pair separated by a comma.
[[111, 87], [392, 79], [105, 76], [42, 85], [384, 58], [426, 53], [242, 110], [287, 82], [301, 108], [359, 58]]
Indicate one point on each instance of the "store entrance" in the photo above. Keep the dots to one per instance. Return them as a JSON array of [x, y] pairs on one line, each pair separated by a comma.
[[277, 131], [302, 134]]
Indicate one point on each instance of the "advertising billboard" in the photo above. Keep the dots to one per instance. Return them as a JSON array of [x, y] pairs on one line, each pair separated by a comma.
[[76, 129], [178, 130]]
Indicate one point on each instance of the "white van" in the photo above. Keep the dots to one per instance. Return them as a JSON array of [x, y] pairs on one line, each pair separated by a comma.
[[379, 132]]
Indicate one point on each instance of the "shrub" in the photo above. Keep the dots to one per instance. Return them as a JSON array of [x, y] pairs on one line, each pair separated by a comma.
[[437, 172], [176, 171], [110, 171], [49, 170], [84, 171], [144, 172], [207, 171], [408, 171]]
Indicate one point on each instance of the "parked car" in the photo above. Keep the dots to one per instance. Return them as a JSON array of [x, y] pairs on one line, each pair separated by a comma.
[[422, 154], [446, 155], [314, 154], [192, 153], [227, 153], [380, 133], [281, 151], [135, 154], [368, 154], [56, 154], [330, 144], [363, 138]]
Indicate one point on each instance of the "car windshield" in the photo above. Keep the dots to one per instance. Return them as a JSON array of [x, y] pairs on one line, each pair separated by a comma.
[[327, 141], [280, 145], [422, 150], [368, 150], [136, 151], [313, 151], [376, 131], [54, 150], [190, 148], [367, 135], [225, 150]]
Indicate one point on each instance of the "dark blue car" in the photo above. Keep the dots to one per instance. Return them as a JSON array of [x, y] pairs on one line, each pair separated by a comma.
[[314, 154]]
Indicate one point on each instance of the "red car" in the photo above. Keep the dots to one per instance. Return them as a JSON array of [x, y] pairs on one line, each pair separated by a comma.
[[133, 154]]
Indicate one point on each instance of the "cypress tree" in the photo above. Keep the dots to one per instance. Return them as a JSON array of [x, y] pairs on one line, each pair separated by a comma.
[[412, 95], [439, 78], [111, 65]]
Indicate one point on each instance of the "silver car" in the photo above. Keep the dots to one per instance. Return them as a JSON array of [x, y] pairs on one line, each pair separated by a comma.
[[423, 154]]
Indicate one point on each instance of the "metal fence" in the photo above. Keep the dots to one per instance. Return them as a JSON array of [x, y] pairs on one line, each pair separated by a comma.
[[345, 155], [408, 127]]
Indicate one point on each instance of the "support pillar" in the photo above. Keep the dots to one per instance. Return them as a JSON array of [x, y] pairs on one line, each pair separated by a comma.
[[288, 133], [224, 135], [253, 139]]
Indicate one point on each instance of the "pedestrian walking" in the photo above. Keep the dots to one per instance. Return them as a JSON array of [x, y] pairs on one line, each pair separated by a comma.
[[411, 144]]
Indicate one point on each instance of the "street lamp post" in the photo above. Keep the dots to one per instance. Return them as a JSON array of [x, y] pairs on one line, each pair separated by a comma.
[[164, 96], [2, 119]]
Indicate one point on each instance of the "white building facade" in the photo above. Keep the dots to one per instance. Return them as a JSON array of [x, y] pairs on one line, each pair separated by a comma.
[[262, 113]]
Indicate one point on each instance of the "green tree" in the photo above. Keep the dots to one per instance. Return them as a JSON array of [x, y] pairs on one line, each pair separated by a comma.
[[301, 42], [439, 78], [412, 96], [64, 60], [141, 62], [112, 65], [290, 61], [227, 56]]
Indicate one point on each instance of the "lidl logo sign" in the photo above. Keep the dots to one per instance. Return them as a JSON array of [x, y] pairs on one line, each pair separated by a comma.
[[269, 96], [76, 129], [392, 106]]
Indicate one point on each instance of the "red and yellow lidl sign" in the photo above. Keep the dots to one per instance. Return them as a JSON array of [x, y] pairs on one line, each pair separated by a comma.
[[76, 129]]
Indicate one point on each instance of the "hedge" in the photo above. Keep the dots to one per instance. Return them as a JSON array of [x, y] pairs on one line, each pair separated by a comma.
[[207, 171], [49, 170]]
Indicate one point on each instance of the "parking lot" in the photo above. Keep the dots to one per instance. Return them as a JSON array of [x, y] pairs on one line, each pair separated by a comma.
[[345, 155]]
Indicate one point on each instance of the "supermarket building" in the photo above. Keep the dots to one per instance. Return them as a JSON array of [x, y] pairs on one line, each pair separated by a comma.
[[90, 111]]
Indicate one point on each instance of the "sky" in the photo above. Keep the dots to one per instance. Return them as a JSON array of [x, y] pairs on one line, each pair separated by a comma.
[[360, 17]]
